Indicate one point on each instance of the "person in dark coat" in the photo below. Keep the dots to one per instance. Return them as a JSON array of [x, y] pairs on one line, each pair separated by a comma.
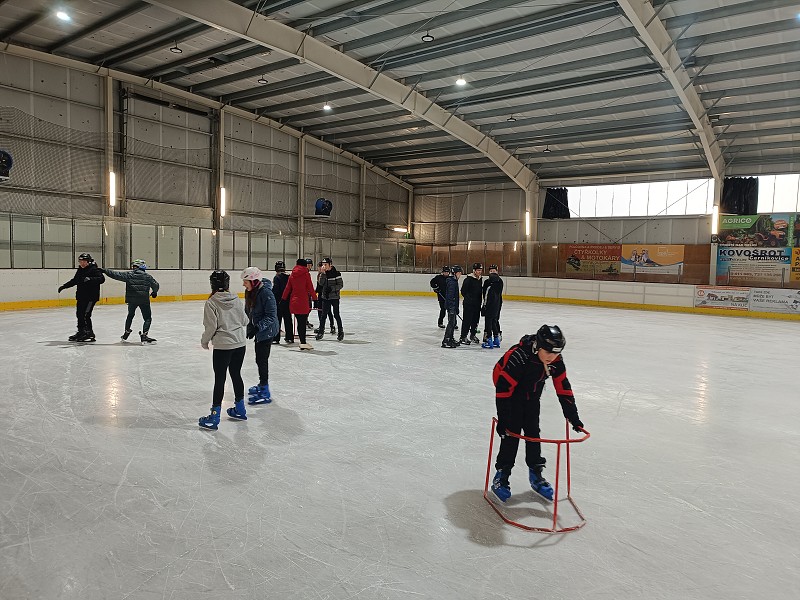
[[299, 290], [140, 286], [492, 300], [472, 293], [278, 285], [438, 283], [331, 284], [451, 304], [321, 305], [261, 309], [87, 280]]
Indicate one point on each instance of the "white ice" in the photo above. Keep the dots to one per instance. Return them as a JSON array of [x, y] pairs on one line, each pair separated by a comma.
[[364, 478]]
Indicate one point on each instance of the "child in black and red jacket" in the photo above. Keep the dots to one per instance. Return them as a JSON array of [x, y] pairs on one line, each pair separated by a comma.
[[519, 379]]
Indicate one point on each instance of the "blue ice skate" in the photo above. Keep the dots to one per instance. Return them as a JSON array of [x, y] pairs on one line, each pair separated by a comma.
[[501, 487], [496, 342], [259, 394], [237, 411], [487, 343], [540, 485], [211, 421]]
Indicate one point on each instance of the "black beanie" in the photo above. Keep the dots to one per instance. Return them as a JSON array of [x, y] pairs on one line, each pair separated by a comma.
[[301, 262]]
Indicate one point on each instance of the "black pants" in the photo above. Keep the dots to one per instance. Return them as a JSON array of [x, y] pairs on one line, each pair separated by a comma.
[[324, 312], [147, 315], [285, 317], [262, 361], [302, 320], [84, 313], [491, 326], [469, 325], [224, 362], [442, 309], [452, 317], [518, 416], [330, 306]]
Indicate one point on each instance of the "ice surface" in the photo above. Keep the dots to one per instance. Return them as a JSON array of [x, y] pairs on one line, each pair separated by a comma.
[[363, 479]]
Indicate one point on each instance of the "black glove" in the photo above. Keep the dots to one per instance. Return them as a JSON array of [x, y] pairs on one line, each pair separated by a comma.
[[61, 288], [577, 425], [154, 294], [251, 331]]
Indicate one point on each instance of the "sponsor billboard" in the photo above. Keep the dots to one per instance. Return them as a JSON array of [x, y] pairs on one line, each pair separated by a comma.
[[709, 296], [652, 258], [748, 263], [757, 231], [775, 300], [593, 258]]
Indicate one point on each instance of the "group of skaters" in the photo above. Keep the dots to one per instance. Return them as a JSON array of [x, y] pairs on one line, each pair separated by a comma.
[[481, 297], [519, 376]]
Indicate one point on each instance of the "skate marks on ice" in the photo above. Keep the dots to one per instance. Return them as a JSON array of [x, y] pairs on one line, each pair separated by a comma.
[[314, 352], [66, 344]]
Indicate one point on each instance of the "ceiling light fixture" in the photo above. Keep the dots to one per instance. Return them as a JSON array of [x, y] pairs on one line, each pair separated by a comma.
[[175, 49], [63, 15], [511, 119], [327, 107], [461, 81], [262, 80], [427, 38], [547, 148]]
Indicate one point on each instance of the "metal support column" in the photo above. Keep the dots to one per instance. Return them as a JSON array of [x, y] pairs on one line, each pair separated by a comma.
[[301, 193]]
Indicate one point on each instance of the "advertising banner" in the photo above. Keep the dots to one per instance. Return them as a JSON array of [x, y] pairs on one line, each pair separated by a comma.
[[794, 274], [652, 258], [708, 296], [747, 263], [774, 300], [756, 231], [593, 258]]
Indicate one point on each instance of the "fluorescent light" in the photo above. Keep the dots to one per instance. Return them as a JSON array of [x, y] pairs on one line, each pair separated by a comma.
[[715, 220], [221, 202], [63, 15], [527, 223], [327, 107], [400, 229], [112, 188], [461, 81]]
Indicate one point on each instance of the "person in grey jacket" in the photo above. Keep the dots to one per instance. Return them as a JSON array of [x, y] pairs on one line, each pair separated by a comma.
[[263, 325], [225, 324], [331, 285], [140, 286]]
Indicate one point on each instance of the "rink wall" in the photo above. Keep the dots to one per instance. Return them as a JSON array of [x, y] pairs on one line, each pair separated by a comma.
[[38, 288]]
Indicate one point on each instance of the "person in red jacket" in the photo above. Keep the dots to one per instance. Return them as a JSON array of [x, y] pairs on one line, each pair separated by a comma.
[[298, 290]]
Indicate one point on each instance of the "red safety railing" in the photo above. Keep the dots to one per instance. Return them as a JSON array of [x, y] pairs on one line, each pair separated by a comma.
[[565, 442]]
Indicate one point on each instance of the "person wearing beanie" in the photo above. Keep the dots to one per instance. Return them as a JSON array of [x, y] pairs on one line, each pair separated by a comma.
[[472, 292], [87, 280], [451, 303], [438, 284], [278, 285], [297, 292]]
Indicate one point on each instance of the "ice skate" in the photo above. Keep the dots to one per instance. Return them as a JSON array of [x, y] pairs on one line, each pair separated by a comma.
[[259, 394], [86, 336], [211, 421], [540, 485], [333, 330], [487, 343], [442, 325], [74, 337], [501, 487], [145, 339], [320, 334], [474, 339], [237, 412], [496, 342], [451, 343], [464, 341], [124, 336], [340, 336]]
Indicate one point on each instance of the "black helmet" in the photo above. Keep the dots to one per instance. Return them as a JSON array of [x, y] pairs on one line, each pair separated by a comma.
[[280, 265], [445, 269], [309, 261], [456, 269], [220, 281], [493, 267], [86, 256], [476, 266], [550, 338]]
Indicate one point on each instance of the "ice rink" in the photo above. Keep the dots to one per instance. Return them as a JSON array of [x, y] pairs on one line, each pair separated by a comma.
[[363, 479]]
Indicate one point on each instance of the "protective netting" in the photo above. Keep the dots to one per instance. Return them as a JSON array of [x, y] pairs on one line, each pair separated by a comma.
[[437, 218]]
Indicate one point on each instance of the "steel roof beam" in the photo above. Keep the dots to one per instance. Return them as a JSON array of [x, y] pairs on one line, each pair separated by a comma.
[[655, 36], [98, 25], [29, 21], [723, 12], [256, 28]]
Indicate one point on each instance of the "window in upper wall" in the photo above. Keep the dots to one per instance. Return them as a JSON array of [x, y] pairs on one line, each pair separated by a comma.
[[657, 198], [779, 193]]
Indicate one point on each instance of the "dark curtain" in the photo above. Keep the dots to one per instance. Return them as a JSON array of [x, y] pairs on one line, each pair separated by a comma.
[[556, 205], [739, 196]]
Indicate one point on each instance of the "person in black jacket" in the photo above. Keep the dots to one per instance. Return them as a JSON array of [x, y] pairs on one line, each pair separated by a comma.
[[332, 284], [438, 283], [451, 304], [88, 279], [140, 286], [262, 311], [492, 300], [472, 293], [519, 378], [278, 285]]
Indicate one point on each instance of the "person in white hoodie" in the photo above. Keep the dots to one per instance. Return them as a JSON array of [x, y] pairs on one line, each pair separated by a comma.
[[225, 325]]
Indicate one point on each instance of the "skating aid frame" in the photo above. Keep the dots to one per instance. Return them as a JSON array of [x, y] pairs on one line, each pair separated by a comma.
[[559, 443]]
